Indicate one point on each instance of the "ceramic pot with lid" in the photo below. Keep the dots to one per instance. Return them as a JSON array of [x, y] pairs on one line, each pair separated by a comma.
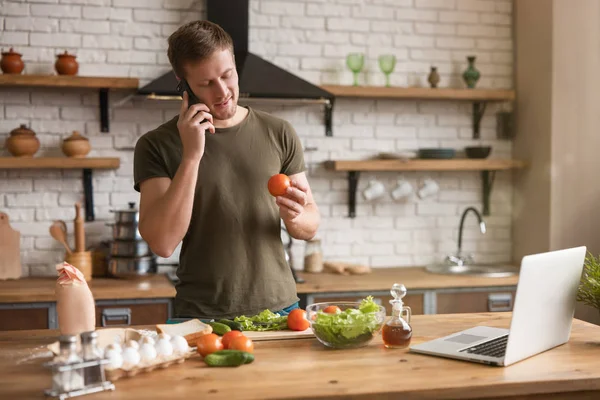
[[22, 142], [11, 62], [76, 145], [66, 64]]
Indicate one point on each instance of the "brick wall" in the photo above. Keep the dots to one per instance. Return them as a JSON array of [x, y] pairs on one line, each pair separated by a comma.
[[310, 38]]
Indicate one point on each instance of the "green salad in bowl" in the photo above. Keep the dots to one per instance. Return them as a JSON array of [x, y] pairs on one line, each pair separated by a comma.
[[343, 325]]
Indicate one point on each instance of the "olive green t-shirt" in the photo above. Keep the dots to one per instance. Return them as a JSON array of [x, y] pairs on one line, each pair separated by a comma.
[[232, 260]]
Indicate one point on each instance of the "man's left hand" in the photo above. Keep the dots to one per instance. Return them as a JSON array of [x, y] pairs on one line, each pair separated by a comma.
[[291, 205]]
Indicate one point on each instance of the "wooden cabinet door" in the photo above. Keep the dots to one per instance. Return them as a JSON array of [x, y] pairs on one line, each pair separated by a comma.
[[414, 301], [14, 319], [123, 314], [474, 302]]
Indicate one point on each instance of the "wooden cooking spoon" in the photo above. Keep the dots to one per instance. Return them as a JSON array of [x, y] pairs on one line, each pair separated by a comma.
[[58, 230]]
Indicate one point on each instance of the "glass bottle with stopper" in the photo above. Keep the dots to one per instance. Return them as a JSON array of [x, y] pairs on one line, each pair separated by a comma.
[[397, 332]]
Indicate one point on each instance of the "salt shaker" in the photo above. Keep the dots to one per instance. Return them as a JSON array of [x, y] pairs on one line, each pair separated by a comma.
[[91, 352], [69, 380]]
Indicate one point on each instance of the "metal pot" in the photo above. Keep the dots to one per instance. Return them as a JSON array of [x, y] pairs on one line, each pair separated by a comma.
[[130, 215], [129, 248], [125, 231], [129, 267]]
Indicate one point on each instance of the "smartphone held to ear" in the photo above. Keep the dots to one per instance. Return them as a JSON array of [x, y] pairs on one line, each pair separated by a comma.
[[183, 86]]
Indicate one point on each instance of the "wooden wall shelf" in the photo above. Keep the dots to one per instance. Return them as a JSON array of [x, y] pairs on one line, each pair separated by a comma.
[[86, 164], [479, 97], [102, 84], [487, 167]]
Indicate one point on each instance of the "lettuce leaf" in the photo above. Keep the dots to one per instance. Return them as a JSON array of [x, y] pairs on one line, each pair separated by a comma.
[[266, 320]]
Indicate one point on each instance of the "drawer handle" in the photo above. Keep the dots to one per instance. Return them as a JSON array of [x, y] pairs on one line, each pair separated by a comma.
[[116, 314], [498, 302]]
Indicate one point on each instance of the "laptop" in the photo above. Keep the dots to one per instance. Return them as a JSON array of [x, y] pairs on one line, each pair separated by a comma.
[[541, 319]]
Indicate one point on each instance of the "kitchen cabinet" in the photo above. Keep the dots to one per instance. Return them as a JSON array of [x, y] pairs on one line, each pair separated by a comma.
[[474, 301], [14, 317], [132, 312]]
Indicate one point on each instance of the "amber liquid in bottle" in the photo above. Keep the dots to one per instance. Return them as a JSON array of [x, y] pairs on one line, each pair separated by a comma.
[[397, 335]]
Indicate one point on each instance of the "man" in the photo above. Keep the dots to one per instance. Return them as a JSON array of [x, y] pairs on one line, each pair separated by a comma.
[[202, 178]]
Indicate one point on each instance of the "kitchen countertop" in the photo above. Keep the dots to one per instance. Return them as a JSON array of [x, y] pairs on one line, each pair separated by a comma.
[[569, 371], [28, 290]]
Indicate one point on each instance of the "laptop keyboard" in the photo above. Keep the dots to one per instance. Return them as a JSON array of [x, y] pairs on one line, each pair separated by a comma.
[[494, 348]]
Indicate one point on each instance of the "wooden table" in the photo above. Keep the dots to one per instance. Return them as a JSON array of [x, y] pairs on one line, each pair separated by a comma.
[[294, 369]]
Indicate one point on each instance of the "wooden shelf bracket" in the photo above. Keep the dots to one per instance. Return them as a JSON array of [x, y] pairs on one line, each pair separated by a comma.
[[487, 178], [478, 111], [88, 194], [329, 118], [103, 110]]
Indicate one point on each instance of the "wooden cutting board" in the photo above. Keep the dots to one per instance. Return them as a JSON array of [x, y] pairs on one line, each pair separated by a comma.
[[10, 250], [279, 335]]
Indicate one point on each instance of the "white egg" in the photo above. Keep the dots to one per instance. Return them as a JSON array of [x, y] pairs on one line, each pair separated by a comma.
[[164, 336], [164, 347], [114, 346], [133, 343], [131, 356], [147, 352], [148, 339], [114, 357], [179, 343]]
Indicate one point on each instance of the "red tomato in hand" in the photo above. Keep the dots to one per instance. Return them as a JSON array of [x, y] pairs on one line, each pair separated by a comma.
[[332, 310], [297, 320], [229, 336], [208, 344], [241, 343], [278, 184]]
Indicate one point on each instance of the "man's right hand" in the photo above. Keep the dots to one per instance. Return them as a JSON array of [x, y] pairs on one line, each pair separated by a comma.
[[191, 130]]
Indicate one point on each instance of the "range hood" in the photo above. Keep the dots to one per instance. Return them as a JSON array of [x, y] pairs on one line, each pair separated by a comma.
[[259, 79]]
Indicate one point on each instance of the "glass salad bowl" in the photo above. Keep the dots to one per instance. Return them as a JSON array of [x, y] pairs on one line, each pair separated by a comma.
[[346, 325]]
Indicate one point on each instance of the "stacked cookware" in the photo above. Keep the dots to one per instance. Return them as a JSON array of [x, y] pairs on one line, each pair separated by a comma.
[[130, 256]]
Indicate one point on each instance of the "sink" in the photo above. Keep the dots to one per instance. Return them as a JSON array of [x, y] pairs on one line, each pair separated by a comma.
[[483, 270]]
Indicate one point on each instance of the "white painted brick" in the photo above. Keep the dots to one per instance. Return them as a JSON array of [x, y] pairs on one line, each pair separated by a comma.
[[373, 119], [84, 26], [459, 16], [150, 43], [392, 27], [459, 196], [273, 21], [14, 96], [494, 44], [55, 213], [51, 257], [60, 11], [177, 4], [373, 223], [69, 199], [138, 4], [350, 25], [394, 209], [435, 209], [131, 57], [327, 10], [31, 24], [504, 6], [415, 222], [31, 200], [415, 120], [107, 42], [78, 113], [19, 214], [337, 250], [40, 112], [455, 43], [156, 16], [286, 36], [135, 29], [416, 15], [345, 237], [434, 28], [48, 244], [391, 261], [476, 5], [438, 133], [429, 55], [12, 8], [495, 19], [477, 30], [373, 12], [389, 235], [406, 132], [379, 40], [14, 38], [55, 39], [16, 185], [88, 2], [107, 13], [371, 144], [413, 41], [372, 249], [282, 8], [120, 199], [441, 4], [300, 49], [40, 185]]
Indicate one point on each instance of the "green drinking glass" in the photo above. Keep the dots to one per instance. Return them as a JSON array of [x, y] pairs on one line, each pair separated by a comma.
[[387, 63], [355, 62]]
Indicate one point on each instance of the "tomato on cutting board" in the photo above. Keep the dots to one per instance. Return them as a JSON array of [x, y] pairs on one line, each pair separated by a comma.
[[278, 184], [208, 344], [297, 320], [229, 336], [241, 343]]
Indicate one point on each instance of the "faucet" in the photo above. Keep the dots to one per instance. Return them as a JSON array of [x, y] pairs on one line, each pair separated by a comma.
[[458, 259]]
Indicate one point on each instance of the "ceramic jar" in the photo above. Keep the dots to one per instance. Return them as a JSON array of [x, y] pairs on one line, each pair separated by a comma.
[[471, 74], [76, 146], [433, 78], [66, 64], [11, 62], [22, 142]]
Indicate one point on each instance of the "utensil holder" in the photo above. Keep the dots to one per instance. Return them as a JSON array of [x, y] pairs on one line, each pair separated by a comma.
[[82, 261]]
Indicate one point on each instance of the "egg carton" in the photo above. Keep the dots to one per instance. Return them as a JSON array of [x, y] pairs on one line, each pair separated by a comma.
[[159, 363]]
